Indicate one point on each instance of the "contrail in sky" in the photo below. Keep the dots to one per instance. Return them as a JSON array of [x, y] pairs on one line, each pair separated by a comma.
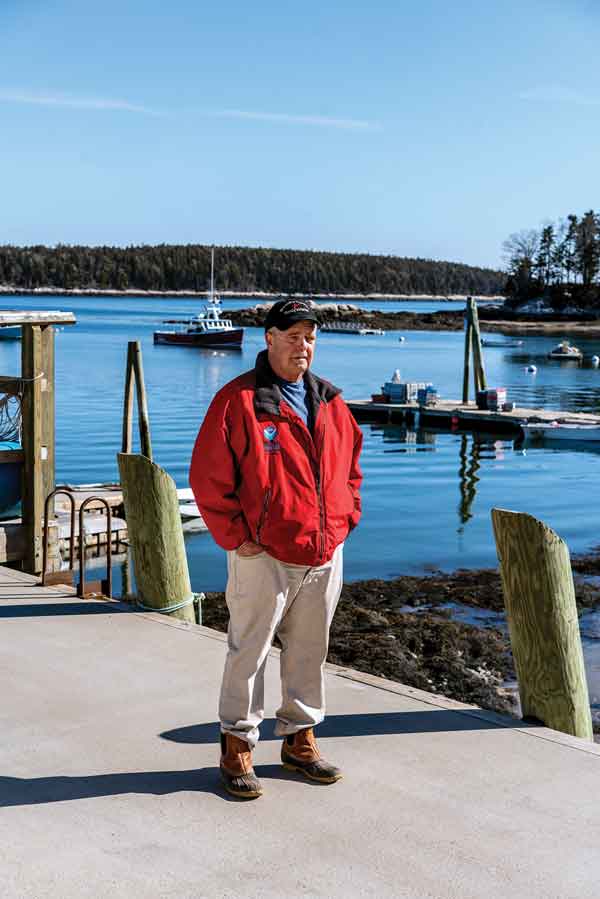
[[103, 103], [64, 100], [284, 118]]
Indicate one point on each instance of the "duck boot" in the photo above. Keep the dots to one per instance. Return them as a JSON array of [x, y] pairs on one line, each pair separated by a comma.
[[301, 753], [236, 768]]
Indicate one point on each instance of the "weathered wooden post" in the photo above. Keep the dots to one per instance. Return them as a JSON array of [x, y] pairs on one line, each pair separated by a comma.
[[539, 595], [37, 408], [479, 381], [468, 328], [134, 371], [156, 537]]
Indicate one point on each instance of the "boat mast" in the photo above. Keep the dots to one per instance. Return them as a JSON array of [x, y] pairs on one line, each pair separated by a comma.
[[212, 275]]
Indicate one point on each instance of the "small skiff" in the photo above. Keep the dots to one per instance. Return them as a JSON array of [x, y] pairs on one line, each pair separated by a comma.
[[574, 432], [566, 352]]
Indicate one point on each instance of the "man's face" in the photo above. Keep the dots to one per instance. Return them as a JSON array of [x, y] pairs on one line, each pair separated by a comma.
[[291, 352]]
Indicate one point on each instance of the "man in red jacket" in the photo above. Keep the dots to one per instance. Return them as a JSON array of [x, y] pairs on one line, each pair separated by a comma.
[[275, 474]]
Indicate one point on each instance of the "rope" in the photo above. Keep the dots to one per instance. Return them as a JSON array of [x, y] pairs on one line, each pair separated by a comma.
[[173, 608], [23, 380]]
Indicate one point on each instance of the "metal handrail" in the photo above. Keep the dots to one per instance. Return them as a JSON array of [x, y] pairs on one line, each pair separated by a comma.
[[81, 585], [51, 496]]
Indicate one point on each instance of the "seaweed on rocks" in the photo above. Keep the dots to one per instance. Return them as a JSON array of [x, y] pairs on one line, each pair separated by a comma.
[[402, 629], [427, 651]]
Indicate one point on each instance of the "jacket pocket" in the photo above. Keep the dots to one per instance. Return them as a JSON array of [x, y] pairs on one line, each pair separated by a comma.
[[263, 513]]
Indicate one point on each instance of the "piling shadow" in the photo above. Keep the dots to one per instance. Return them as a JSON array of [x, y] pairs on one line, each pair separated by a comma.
[[366, 725], [16, 791]]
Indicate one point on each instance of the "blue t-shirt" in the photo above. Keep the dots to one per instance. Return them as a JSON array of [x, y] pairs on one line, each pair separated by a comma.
[[294, 393]]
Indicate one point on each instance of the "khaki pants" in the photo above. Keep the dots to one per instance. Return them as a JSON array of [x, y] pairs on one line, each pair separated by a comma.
[[266, 597]]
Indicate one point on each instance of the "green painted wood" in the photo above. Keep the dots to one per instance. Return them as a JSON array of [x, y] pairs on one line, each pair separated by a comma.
[[539, 595], [155, 534]]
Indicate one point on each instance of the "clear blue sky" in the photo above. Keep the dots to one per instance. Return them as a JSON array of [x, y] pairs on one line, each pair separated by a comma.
[[415, 128]]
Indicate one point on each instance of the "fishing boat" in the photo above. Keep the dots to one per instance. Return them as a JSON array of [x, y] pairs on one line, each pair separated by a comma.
[[207, 329], [565, 351], [502, 343], [567, 431]]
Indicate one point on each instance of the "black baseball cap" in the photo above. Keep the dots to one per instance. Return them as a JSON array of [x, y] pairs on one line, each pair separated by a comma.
[[285, 313]]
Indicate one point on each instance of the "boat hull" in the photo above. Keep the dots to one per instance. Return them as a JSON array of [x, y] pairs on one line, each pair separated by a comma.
[[567, 433], [226, 339]]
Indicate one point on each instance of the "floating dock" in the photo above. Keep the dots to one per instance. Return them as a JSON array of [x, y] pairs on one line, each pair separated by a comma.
[[453, 415]]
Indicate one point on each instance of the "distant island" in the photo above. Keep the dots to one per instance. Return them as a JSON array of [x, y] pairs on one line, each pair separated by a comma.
[[185, 269]]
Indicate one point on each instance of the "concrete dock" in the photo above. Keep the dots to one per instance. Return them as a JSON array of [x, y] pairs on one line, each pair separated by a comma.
[[109, 777]]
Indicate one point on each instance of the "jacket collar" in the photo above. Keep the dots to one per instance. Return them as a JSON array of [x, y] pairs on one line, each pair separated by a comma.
[[267, 395]]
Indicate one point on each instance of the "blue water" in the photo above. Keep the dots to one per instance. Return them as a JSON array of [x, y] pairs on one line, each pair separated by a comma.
[[427, 497]]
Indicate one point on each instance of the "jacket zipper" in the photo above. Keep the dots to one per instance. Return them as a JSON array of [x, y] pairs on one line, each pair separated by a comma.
[[263, 513]]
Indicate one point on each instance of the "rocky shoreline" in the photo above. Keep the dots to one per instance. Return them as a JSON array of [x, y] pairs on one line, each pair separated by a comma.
[[404, 630], [494, 319], [452, 320]]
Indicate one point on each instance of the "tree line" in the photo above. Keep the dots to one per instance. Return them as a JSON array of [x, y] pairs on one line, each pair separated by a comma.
[[187, 268], [559, 262]]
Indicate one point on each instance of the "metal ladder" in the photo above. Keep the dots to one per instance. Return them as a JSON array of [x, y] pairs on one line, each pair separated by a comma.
[[104, 586]]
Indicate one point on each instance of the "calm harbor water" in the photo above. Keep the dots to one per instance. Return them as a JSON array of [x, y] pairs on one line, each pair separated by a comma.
[[427, 496]]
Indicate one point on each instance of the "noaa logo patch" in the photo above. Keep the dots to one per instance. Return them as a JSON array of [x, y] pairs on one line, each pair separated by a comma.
[[270, 433]]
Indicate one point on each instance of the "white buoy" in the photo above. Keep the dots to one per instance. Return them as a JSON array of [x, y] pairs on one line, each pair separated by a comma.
[[595, 360], [532, 369], [402, 339]]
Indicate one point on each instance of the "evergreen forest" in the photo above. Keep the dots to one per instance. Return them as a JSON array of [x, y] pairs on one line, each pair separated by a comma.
[[559, 262], [187, 268]]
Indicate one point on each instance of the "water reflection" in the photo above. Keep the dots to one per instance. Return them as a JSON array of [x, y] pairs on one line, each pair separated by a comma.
[[467, 478], [411, 440], [473, 450]]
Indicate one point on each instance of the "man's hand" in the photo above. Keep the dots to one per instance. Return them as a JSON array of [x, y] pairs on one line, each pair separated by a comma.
[[249, 548]]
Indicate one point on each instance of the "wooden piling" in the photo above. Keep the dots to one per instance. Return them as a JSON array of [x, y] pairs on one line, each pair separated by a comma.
[[468, 328], [126, 441], [134, 371], [540, 604], [156, 537], [142, 402], [473, 345], [477, 350]]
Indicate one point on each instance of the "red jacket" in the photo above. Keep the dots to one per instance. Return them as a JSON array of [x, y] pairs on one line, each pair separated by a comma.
[[258, 474]]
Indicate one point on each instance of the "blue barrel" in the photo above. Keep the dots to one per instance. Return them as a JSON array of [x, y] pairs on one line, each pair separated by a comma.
[[10, 483]]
